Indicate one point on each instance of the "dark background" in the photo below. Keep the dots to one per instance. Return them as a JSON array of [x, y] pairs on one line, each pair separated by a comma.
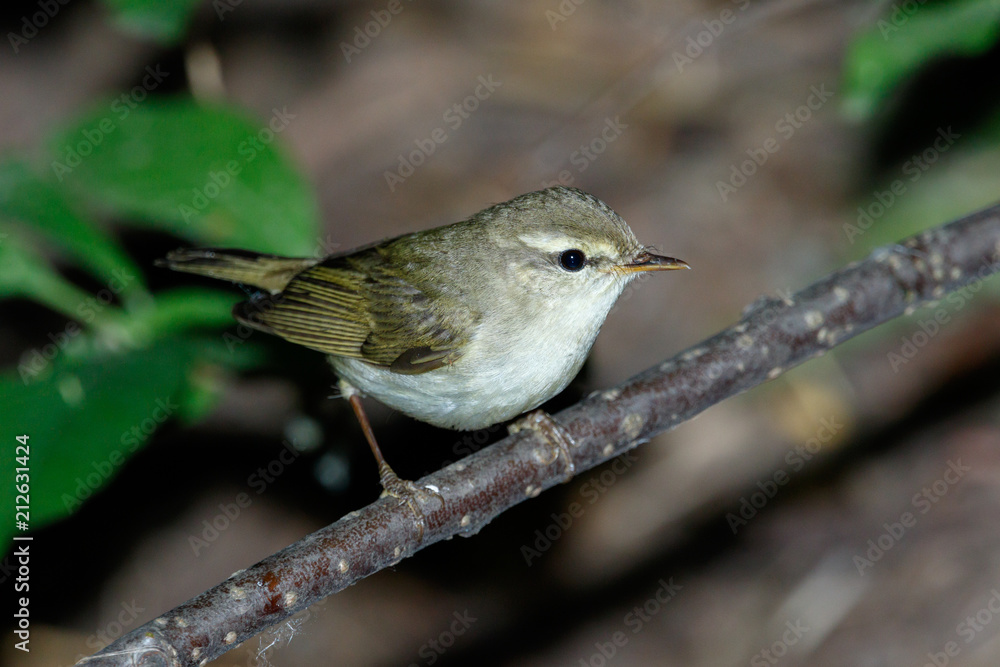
[[833, 453]]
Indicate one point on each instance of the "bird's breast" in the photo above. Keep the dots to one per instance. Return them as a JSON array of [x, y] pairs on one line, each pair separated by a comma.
[[511, 363]]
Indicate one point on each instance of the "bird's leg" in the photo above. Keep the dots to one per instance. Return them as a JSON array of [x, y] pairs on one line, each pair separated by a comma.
[[559, 437], [404, 490]]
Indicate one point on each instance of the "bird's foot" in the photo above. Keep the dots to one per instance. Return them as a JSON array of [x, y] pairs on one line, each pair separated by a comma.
[[409, 494], [560, 439]]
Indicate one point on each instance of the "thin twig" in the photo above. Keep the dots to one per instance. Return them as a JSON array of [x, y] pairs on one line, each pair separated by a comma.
[[773, 336]]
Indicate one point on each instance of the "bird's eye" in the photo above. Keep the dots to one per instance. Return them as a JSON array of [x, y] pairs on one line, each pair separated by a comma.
[[572, 260]]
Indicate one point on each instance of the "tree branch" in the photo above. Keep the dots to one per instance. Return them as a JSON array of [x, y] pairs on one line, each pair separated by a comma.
[[773, 336]]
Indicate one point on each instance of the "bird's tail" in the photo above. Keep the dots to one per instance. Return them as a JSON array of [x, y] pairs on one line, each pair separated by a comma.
[[267, 272]]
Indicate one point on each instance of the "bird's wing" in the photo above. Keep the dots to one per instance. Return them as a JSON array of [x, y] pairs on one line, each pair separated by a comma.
[[361, 306]]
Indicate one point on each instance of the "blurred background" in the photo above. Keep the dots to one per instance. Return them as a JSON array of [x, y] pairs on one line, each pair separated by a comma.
[[846, 513]]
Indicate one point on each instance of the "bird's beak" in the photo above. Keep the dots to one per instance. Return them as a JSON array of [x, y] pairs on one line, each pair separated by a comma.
[[647, 261]]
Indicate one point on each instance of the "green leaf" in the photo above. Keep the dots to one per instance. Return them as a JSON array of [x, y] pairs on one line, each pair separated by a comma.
[[24, 273], [24, 196], [163, 21], [86, 418], [914, 201], [96, 408], [183, 308], [205, 173], [900, 43]]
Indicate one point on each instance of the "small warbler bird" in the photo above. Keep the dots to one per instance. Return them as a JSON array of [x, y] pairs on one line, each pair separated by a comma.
[[461, 326]]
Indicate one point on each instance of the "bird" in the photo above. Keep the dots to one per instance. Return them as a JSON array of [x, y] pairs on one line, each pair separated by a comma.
[[461, 326]]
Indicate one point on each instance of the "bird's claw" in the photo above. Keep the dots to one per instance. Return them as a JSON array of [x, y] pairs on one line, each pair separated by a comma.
[[541, 422], [409, 494]]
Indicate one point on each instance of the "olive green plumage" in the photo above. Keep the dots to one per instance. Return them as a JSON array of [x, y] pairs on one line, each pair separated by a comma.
[[463, 325]]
